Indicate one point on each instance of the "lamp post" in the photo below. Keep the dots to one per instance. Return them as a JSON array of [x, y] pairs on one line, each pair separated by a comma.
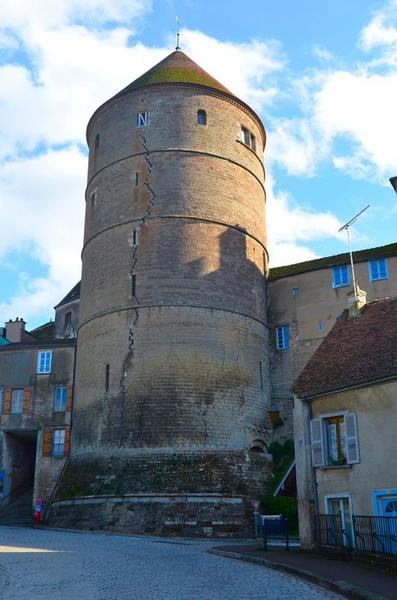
[[393, 182]]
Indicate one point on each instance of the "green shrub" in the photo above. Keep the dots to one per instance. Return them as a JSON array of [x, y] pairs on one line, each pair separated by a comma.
[[281, 505]]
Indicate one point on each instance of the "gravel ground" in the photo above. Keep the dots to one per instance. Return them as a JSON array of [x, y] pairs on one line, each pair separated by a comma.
[[58, 565]]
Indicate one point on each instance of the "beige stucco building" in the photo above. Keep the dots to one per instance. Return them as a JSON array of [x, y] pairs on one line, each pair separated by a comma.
[[305, 299], [345, 419], [36, 401]]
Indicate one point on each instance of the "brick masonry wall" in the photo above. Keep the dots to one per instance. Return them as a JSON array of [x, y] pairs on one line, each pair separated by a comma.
[[187, 348], [95, 493]]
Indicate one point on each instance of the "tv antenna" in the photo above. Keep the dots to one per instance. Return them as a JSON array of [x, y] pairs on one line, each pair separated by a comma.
[[178, 22], [346, 227]]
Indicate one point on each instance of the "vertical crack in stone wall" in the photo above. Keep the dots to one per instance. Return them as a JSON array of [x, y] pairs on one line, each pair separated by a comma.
[[135, 242]]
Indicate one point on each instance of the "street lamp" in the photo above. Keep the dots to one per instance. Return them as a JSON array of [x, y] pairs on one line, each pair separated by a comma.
[[393, 181]]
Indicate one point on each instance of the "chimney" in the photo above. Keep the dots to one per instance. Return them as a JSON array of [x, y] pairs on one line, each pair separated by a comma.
[[15, 330], [355, 304]]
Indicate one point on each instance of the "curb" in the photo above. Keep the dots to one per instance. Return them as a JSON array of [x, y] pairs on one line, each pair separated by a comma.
[[348, 590]]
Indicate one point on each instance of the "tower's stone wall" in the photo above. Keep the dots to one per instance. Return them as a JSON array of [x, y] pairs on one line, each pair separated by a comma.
[[172, 345]]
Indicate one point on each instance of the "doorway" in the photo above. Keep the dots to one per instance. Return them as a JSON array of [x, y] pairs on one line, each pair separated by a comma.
[[19, 460], [387, 528], [340, 506]]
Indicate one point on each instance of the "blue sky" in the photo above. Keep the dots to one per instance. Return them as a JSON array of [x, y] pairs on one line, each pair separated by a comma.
[[321, 74]]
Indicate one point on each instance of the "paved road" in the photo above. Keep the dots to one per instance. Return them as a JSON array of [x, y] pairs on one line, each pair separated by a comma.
[[54, 565]]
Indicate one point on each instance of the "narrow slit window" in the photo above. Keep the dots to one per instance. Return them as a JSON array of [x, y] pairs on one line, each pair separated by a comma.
[[260, 374], [93, 198], [133, 285], [142, 118], [134, 237], [107, 369], [136, 178], [97, 140], [201, 117]]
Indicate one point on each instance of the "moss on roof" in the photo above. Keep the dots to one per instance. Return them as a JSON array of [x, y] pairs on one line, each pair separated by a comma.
[[45, 333], [332, 261], [177, 67]]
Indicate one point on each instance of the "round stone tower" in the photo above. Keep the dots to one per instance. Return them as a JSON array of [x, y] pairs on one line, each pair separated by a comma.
[[170, 426]]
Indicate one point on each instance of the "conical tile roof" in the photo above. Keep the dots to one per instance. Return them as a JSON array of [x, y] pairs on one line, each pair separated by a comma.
[[177, 67]]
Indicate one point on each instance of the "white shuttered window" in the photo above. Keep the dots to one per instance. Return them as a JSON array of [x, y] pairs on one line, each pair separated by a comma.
[[334, 440], [352, 449], [317, 442]]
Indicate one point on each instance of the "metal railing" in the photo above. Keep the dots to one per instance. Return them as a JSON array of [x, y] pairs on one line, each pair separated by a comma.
[[375, 534], [328, 530], [367, 533]]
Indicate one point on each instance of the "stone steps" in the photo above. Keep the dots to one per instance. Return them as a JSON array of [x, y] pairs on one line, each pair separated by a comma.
[[18, 512]]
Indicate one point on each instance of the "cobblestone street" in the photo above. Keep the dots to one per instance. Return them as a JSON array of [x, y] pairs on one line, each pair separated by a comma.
[[63, 565]]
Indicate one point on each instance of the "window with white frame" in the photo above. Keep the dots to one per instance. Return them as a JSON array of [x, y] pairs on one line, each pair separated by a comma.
[[334, 440], [142, 118], [282, 337], [60, 396], [44, 361], [340, 276], [16, 402], [58, 442], [377, 269]]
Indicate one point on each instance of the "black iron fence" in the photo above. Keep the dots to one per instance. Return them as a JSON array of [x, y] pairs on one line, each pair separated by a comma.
[[364, 533]]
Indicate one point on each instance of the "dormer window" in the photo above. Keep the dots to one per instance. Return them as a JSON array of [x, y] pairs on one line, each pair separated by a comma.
[[201, 117], [142, 118]]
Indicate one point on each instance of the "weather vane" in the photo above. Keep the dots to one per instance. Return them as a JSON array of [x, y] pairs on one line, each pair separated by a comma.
[[178, 21]]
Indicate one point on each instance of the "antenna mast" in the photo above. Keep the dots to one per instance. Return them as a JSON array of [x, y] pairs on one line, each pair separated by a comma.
[[178, 21], [346, 226]]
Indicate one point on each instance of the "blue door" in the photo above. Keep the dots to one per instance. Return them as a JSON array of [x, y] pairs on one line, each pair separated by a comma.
[[388, 506]]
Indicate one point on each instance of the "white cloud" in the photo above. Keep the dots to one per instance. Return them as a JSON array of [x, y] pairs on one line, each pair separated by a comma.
[[293, 227], [381, 33], [43, 199], [243, 68], [322, 53], [296, 145], [25, 16]]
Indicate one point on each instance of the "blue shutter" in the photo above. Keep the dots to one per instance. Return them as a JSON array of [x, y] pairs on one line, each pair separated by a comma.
[[382, 269], [336, 277], [373, 270], [344, 275], [317, 442], [286, 336]]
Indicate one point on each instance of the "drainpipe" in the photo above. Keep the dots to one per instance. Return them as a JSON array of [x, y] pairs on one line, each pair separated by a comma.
[[313, 469]]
